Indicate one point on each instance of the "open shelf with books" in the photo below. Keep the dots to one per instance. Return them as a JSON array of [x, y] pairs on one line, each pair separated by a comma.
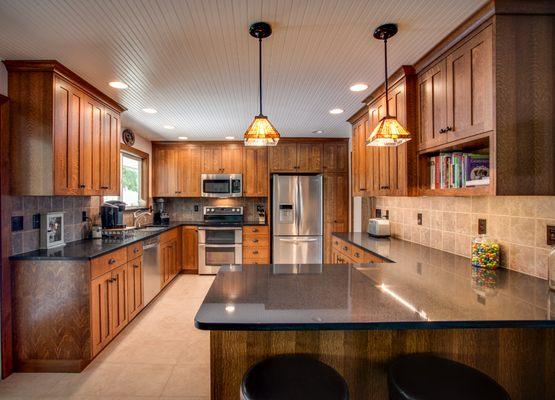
[[459, 170]]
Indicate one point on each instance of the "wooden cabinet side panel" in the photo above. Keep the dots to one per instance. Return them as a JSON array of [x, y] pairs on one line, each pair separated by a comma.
[[41, 290], [119, 298], [101, 313], [134, 287], [31, 133], [190, 249]]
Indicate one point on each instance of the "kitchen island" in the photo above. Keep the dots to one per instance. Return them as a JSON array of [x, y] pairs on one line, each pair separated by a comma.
[[357, 317]]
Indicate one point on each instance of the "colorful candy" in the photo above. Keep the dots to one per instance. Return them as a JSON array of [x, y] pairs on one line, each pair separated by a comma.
[[485, 253]]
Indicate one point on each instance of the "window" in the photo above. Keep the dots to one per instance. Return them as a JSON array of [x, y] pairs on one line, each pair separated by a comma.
[[134, 178]]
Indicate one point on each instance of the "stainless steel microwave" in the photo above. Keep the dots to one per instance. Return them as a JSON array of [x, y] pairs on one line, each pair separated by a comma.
[[221, 185]]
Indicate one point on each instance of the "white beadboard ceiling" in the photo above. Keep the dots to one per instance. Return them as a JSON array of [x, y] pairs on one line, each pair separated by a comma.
[[195, 62]]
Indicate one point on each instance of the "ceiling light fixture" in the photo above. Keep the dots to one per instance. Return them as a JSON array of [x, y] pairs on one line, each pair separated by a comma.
[[388, 132], [336, 111], [169, 127], [182, 137], [149, 110], [230, 137], [260, 132], [359, 87], [118, 85]]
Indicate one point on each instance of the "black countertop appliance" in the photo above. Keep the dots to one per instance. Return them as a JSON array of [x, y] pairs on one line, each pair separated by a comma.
[[161, 216], [111, 213]]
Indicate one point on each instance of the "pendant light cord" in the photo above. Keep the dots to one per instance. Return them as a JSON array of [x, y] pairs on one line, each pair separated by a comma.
[[260, 73], [386, 83]]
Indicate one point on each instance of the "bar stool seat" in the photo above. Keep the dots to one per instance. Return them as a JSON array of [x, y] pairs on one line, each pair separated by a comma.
[[293, 377], [428, 377]]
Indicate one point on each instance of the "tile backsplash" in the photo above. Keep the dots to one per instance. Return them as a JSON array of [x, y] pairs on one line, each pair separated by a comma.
[[183, 209], [28, 239], [519, 223]]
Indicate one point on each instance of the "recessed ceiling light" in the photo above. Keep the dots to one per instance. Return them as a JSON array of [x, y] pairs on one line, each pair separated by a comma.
[[118, 85], [169, 127], [359, 87], [230, 137], [318, 131], [149, 110], [182, 137], [336, 111]]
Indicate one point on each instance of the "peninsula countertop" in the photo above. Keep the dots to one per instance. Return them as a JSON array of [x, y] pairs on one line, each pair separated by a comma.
[[421, 288]]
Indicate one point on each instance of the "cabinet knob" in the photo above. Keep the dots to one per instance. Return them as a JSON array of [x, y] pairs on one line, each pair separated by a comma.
[[362, 189], [135, 266], [449, 128], [103, 187], [442, 130], [82, 186], [255, 230], [384, 187], [112, 261], [255, 240], [135, 250], [357, 255], [255, 252], [345, 248]]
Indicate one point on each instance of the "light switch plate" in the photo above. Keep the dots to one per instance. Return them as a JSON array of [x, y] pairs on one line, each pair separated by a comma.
[[482, 226], [419, 218], [550, 235]]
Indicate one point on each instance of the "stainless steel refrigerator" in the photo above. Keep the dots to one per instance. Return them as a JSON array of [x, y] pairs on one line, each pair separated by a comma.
[[297, 219]]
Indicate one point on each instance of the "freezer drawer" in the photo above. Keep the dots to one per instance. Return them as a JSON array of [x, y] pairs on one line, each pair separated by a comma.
[[297, 249]]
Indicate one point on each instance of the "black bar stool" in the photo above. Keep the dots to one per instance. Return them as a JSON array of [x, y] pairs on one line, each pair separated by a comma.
[[428, 377], [293, 377]]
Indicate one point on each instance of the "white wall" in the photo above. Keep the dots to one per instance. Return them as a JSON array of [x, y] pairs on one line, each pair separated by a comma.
[[3, 80]]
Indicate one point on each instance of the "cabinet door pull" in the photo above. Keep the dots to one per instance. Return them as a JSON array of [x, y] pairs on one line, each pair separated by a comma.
[[384, 187], [255, 252], [255, 240], [103, 187], [112, 261], [135, 266], [449, 128], [255, 230], [357, 255], [442, 130], [135, 250], [82, 186], [345, 248]]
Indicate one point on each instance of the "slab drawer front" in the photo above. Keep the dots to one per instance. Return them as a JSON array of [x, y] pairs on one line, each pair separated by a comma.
[[135, 250], [262, 229], [251, 252], [169, 235], [256, 240], [107, 262]]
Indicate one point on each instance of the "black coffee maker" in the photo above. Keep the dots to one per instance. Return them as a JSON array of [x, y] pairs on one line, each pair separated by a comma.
[[161, 216], [111, 214]]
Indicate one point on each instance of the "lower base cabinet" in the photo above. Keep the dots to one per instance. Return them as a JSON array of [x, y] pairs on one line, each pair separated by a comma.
[[256, 245], [170, 264], [346, 253], [134, 287], [189, 245]]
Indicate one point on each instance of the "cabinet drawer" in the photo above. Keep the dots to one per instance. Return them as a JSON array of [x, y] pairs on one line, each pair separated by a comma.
[[135, 250], [169, 235], [262, 229], [336, 243], [108, 262], [256, 261], [250, 252], [256, 240], [358, 255]]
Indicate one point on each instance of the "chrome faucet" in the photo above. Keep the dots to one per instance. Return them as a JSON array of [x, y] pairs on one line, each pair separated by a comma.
[[139, 217]]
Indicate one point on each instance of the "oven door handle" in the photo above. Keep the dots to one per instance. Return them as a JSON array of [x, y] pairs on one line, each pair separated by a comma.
[[213, 228], [219, 245]]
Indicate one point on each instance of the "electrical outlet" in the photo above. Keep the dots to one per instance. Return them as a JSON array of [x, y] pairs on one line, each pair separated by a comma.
[[196, 207], [419, 218], [36, 221], [17, 223], [482, 226], [84, 216], [550, 235], [386, 216], [378, 213]]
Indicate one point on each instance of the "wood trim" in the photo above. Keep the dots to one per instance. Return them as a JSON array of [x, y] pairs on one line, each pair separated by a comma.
[[446, 44], [58, 68], [235, 142], [5, 240], [394, 78], [358, 115]]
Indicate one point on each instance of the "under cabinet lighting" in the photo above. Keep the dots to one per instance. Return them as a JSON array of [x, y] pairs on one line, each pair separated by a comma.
[[149, 110], [118, 85]]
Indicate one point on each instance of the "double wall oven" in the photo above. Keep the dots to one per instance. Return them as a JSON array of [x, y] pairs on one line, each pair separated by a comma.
[[220, 239]]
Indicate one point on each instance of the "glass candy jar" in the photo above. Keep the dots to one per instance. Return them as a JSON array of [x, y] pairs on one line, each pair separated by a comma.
[[485, 252]]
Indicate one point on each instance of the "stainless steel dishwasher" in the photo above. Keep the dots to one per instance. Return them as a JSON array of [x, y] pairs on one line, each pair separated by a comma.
[[151, 268]]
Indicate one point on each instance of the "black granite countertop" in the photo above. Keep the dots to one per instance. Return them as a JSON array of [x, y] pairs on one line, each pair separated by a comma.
[[91, 248], [421, 288]]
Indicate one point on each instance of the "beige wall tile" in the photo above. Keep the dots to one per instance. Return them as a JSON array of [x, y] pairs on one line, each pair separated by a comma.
[[541, 260], [415, 233], [448, 242], [480, 205], [541, 232], [463, 223], [449, 221], [462, 245], [545, 207], [523, 231], [522, 258], [499, 227], [436, 220], [436, 239], [425, 236], [437, 203]]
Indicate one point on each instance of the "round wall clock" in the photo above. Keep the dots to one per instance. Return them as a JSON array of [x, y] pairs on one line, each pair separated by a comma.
[[128, 137]]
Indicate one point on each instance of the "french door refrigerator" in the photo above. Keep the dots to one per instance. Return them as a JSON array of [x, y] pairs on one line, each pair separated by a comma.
[[297, 219]]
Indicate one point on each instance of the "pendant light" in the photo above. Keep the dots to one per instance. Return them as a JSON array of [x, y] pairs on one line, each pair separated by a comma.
[[260, 132], [388, 132]]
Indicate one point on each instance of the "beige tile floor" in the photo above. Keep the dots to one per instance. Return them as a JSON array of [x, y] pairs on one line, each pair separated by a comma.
[[160, 355]]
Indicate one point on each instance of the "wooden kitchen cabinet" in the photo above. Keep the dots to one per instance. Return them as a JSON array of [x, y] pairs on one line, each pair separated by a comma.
[[455, 95], [190, 249], [118, 299], [296, 157], [386, 171], [336, 157], [170, 253], [101, 312], [64, 133], [134, 287], [255, 172], [222, 159], [188, 161], [256, 245], [176, 171], [336, 208], [165, 172]]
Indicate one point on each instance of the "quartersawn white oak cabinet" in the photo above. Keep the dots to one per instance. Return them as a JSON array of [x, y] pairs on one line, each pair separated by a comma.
[[64, 133]]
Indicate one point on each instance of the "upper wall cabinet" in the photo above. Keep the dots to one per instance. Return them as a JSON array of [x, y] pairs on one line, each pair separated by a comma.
[[176, 170], [255, 172], [64, 133], [455, 95], [336, 157], [383, 171], [222, 159], [296, 157]]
